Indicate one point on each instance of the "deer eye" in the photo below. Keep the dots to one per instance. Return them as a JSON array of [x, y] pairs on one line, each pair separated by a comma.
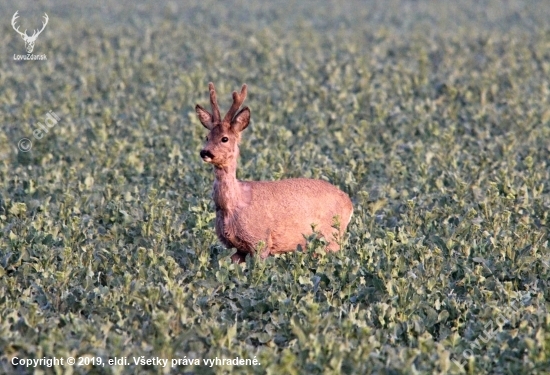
[[225, 139], [206, 138]]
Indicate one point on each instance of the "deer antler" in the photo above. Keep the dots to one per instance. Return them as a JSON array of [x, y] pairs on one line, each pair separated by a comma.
[[13, 20], [238, 100], [35, 34], [214, 103]]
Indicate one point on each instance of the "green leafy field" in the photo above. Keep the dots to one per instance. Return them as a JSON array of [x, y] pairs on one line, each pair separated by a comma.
[[433, 116]]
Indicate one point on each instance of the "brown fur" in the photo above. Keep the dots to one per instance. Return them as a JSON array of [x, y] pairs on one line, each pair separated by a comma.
[[277, 213]]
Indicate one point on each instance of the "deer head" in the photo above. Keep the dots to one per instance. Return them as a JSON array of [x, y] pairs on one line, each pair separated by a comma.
[[222, 142], [29, 40]]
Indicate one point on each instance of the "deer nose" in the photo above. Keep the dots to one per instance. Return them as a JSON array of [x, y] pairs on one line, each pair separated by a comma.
[[206, 154]]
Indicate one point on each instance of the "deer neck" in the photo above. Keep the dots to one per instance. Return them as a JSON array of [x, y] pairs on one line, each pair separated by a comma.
[[227, 190]]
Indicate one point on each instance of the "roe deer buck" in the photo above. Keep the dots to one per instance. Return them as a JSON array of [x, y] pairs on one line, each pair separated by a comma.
[[280, 214]]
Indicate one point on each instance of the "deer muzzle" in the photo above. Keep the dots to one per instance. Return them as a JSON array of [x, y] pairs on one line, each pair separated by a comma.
[[206, 155]]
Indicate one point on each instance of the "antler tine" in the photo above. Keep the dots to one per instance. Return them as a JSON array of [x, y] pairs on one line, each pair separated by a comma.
[[44, 23], [13, 21], [238, 100], [214, 103]]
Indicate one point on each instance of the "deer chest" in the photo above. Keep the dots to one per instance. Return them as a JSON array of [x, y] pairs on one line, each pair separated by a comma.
[[228, 232]]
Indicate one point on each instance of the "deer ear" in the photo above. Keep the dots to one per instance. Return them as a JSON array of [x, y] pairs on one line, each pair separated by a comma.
[[204, 117], [241, 119]]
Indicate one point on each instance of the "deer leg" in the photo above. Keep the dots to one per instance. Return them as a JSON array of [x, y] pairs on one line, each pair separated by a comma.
[[238, 257], [268, 246], [333, 246]]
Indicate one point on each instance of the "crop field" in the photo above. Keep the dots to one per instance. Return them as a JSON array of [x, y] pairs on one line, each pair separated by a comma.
[[434, 116]]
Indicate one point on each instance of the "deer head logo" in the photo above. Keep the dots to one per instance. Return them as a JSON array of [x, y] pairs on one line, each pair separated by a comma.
[[29, 40]]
